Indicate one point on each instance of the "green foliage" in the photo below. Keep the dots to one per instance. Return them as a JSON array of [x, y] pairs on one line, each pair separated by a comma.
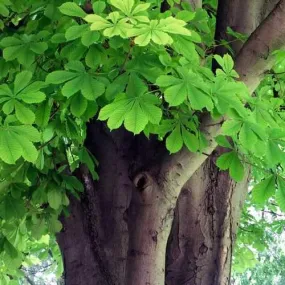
[[130, 65]]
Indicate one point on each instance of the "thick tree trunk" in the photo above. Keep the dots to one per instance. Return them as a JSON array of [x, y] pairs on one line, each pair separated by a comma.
[[118, 232]]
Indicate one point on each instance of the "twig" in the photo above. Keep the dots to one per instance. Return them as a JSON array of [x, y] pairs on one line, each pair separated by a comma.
[[46, 143]]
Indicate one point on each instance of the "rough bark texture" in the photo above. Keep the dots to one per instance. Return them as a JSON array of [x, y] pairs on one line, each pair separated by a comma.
[[118, 232], [204, 228], [155, 219]]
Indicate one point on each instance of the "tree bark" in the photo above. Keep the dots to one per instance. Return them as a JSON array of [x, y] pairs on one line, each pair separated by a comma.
[[200, 246], [242, 17]]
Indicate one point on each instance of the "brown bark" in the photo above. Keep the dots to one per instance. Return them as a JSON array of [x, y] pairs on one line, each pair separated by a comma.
[[206, 219]]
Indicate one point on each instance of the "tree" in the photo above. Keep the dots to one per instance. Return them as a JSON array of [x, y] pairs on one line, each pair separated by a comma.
[[140, 124]]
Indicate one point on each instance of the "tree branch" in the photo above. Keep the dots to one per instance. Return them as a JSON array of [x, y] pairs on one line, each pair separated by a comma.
[[255, 57], [251, 63], [178, 168], [195, 3]]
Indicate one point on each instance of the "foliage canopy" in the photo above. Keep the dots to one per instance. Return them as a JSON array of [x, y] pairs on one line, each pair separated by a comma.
[[129, 64]]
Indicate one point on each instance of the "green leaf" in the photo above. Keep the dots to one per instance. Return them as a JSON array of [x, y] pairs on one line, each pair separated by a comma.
[[190, 140], [10, 149], [29, 152], [75, 32], [22, 80], [58, 77], [12, 208], [91, 88], [71, 9], [29, 132], [273, 153], [54, 224], [231, 127], [188, 86], [158, 31], [223, 141], [117, 86], [98, 7], [89, 38], [43, 114], [74, 183], [135, 119], [3, 10], [85, 157], [31, 98], [231, 161], [54, 198], [78, 105], [125, 6], [236, 169], [77, 80], [174, 141], [23, 114], [264, 190], [152, 112], [280, 193], [8, 107], [98, 23]]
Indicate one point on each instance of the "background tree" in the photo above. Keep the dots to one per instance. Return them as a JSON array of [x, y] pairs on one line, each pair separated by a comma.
[[146, 97]]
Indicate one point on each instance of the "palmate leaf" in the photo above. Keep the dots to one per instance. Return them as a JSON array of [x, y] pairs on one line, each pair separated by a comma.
[[23, 48], [189, 86], [17, 141], [113, 25], [158, 31], [135, 109], [132, 11], [24, 91], [75, 79], [87, 36], [227, 95]]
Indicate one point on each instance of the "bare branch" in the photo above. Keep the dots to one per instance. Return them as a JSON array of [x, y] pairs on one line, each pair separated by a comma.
[[195, 3], [255, 57]]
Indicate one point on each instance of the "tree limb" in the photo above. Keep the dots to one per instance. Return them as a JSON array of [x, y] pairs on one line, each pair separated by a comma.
[[178, 168], [255, 57], [251, 63], [195, 3]]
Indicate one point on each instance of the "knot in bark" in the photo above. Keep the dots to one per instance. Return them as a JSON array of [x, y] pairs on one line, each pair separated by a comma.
[[143, 181]]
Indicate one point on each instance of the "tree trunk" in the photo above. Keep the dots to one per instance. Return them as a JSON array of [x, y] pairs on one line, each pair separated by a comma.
[[200, 246], [118, 232], [142, 223]]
